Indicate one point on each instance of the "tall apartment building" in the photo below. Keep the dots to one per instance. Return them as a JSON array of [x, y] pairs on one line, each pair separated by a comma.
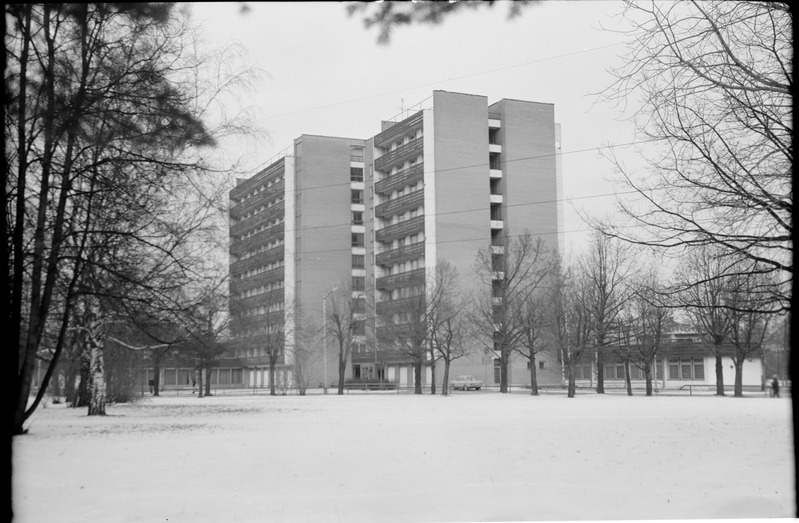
[[449, 179], [446, 181], [296, 232]]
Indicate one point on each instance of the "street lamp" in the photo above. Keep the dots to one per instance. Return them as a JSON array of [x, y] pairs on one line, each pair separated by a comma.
[[324, 335]]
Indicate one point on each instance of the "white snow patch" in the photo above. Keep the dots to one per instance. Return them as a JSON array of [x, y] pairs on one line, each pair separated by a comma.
[[467, 457]]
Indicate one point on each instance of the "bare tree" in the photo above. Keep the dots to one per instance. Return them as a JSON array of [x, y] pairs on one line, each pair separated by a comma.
[[346, 322], [715, 83], [447, 318], [649, 316], [570, 318], [701, 286], [748, 323], [104, 132], [606, 266], [536, 333], [510, 278], [406, 327]]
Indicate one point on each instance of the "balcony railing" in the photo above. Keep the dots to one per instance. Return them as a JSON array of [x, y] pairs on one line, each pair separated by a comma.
[[243, 188], [277, 210], [257, 280], [412, 148], [399, 129], [401, 254], [273, 254], [401, 204], [239, 247], [390, 307], [402, 179], [400, 230], [239, 210], [403, 279]]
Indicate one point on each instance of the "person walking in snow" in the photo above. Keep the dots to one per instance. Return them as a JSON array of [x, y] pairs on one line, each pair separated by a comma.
[[775, 387]]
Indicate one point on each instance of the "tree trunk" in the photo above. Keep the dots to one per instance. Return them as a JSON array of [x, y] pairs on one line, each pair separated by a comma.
[[503, 370], [97, 379], [417, 376], [627, 377], [570, 379], [600, 370], [739, 378], [432, 373], [156, 372], [208, 380], [648, 374], [200, 391], [342, 370], [533, 376], [84, 391], [445, 380], [719, 376], [272, 377]]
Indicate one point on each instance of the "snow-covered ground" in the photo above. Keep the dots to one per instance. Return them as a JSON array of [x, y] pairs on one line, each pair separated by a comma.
[[353, 458]]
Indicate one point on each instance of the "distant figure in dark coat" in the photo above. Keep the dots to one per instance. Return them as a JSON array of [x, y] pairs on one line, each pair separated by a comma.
[[775, 387], [152, 386]]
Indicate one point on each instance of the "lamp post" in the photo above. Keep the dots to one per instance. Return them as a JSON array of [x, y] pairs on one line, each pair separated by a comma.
[[324, 335]]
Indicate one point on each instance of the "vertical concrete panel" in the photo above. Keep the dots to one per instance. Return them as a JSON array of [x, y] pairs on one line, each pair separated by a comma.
[[461, 180]]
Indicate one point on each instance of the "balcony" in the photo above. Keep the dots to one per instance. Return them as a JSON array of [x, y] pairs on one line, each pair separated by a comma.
[[240, 190], [391, 307], [401, 254], [497, 249], [495, 198], [495, 174], [402, 153], [402, 179], [400, 204], [399, 129], [239, 247], [257, 280], [253, 202], [273, 254], [497, 224], [403, 279], [400, 230], [494, 122], [276, 211], [494, 148]]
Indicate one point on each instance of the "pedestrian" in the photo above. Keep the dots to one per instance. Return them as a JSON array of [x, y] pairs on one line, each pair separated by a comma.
[[152, 386], [775, 387], [193, 384]]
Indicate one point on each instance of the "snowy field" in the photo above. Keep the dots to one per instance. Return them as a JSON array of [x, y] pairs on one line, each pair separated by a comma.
[[364, 458]]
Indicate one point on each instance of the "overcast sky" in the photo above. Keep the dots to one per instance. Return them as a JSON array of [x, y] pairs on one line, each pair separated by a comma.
[[327, 75]]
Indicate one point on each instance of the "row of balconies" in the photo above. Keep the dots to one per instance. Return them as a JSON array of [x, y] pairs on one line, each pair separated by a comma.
[[400, 229], [239, 210], [240, 190], [403, 279], [401, 153], [400, 305], [406, 177], [277, 210], [399, 129], [265, 298], [401, 254], [243, 284], [239, 247], [262, 258], [400, 204]]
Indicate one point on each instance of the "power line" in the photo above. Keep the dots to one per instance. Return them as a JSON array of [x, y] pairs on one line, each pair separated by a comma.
[[428, 84]]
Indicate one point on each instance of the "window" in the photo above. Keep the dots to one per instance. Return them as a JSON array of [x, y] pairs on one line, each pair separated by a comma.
[[358, 283], [356, 174], [359, 327], [497, 371], [356, 154], [357, 196], [541, 365], [358, 261], [357, 239], [357, 217], [359, 305], [687, 369]]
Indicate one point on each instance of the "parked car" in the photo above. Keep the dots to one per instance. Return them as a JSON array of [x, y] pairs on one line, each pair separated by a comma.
[[466, 383]]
